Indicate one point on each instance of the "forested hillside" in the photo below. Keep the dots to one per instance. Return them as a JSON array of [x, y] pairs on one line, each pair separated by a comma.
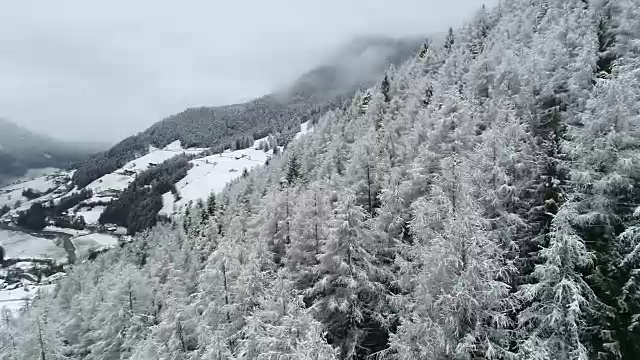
[[325, 88], [482, 203]]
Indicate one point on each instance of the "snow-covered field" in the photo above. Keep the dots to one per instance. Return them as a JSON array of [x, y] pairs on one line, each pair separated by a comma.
[[16, 299], [30, 175], [21, 245], [211, 174], [121, 178], [158, 156], [12, 194], [91, 216], [112, 181], [72, 232], [97, 200], [168, 202], [86, 243]]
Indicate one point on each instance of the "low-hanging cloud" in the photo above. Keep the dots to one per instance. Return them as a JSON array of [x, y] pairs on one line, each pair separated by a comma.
[[84, 70]]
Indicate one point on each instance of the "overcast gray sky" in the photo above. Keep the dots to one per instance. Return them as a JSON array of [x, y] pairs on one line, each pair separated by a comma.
[[102, 70]]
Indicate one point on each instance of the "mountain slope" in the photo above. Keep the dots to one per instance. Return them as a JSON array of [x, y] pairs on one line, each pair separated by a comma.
[[21, 150], [483, 204], [280, 113]]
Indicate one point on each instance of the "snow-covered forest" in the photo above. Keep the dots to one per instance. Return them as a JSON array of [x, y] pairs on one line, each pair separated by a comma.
[[481, 202]]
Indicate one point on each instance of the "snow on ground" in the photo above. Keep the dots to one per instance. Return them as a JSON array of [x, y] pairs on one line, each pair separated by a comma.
[[121, 178], [98, 200], [176, 145], [72, 232], [21, 245], [256, 143], [32, 174], [10, 195], [25, 205], [13, 193], [156, 157], [54, 278], [86, 243], [23, 265], [167, 204], [111, 181], [211, 174], [91, 216], [16, 299], [305, 128]]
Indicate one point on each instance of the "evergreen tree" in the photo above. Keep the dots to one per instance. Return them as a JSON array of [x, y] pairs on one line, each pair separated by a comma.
[[560, 301], [269, 329], [459, 301], [449, 41], [293, 172], [424, 50], [385, 88], [211, 205], [362, 171], [606, 41], [345, 295], [309, 229]]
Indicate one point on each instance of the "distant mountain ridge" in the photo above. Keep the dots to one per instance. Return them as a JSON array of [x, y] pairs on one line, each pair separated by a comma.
[[21, 150], [358, 65]]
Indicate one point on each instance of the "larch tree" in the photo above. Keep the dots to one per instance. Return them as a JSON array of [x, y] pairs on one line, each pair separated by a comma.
[[309, 233], [553, 325], [345, 294], [459, 300], [280, 327]]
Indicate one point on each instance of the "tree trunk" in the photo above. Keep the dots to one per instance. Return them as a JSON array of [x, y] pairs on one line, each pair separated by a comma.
[[370, 202], [130, 298], [226, 291], [43, 357]]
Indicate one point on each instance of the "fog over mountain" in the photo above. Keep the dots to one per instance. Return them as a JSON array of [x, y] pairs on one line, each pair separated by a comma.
[[21, 150], [76, 70]]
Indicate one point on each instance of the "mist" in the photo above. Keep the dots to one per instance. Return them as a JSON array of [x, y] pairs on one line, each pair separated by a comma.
[[77, 70]]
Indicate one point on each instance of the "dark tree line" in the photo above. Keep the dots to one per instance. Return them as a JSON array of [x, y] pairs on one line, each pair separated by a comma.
[[67, 202], [35, 218], [138, 206], [31, 194]]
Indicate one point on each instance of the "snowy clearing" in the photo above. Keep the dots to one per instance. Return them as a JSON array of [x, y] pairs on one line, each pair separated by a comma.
[[72, 232], [20, 245], [167, 204], [113, 181], [121, 178], [12, 194], [86, 243], [16, 299], [31, 175], [211, 174], [97, 200], [305, 128], [90, 216]]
